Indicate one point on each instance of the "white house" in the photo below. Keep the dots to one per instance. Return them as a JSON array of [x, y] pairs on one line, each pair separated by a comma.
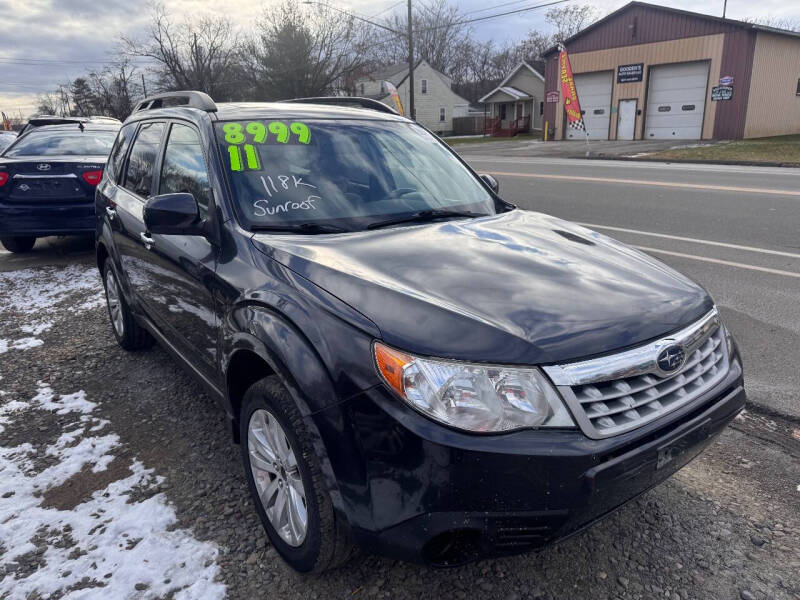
[[435, 102], [518, 102]]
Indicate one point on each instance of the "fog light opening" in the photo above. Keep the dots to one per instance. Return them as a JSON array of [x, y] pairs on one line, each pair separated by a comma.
[[453, 548]]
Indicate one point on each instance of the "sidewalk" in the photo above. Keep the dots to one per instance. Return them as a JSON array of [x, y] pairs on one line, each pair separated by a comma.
[[573, 148], [766, 152]]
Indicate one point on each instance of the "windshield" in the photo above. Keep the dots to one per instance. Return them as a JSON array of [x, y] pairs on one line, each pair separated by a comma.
[[345, 173], [59, 142]]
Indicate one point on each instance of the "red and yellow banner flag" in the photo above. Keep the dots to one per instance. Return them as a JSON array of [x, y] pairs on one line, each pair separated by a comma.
[[6, 123], [569, 92]]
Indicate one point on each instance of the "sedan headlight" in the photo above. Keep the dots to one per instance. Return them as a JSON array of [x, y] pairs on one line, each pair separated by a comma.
[[473, 397]]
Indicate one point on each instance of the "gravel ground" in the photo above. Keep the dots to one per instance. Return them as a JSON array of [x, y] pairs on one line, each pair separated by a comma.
[[726, 527]]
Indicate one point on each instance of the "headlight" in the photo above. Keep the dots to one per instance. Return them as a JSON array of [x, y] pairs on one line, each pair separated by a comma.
[[473, 397]]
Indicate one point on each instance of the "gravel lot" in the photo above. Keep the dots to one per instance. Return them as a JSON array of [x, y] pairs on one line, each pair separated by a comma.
[[119, 479]]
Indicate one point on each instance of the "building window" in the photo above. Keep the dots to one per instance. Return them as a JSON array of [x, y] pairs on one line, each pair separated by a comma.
[[541, 108], [423, 86], [502, 112], [441, 114], [798, 87], [361, 89]]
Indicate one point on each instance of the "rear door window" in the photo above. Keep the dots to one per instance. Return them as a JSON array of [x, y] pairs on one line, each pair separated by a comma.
[[142, 160], [119, 150], [184, 168]]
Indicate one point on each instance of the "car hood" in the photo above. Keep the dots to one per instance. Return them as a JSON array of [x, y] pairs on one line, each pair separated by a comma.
[[515, 288]]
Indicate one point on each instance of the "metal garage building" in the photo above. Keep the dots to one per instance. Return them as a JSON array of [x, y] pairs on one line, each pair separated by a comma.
[[652, 72]]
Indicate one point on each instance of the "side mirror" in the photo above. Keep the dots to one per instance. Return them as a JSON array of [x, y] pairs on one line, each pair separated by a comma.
[[173, 214], [491, 182]]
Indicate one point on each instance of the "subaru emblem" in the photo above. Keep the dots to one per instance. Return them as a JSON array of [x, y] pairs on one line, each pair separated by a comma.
[[43, 167], [671, 358]]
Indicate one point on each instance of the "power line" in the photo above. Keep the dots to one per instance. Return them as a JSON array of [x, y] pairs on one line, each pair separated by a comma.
[[54, 62], [495, 16], [480, 10], [388, 9]]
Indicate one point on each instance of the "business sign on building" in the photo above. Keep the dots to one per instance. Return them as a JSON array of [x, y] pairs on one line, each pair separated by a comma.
[[726, 80], [551, 97], [721, 92], [630, 73]]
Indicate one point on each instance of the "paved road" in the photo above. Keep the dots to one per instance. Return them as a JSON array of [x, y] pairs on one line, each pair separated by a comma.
[[736, 230]]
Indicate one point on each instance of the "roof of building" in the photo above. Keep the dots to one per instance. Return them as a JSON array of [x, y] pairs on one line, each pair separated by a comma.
[[388, 72], [675, 11], [512, 91]]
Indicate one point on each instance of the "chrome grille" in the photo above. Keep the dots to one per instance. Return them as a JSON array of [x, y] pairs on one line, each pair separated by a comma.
[[611, 395]]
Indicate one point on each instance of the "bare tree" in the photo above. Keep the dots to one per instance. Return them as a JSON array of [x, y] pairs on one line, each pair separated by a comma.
[[440, 37], [115, 89], [49, 104], [570, 19], [304, 52], [196, 54], [785, 23]]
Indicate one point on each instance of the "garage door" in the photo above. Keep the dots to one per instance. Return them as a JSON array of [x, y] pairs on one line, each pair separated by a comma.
[[676, 100], [594, 95]]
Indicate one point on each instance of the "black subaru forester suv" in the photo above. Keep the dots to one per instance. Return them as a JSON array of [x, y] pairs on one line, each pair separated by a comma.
[[410, 364]]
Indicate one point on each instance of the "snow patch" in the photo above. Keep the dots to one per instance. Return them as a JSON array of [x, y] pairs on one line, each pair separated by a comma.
[[20, 344], [31, 291], [37, 328], [45, 399], [112, 538], [37, 294]]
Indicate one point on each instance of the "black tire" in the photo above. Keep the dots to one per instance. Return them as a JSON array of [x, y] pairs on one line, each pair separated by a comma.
[[129, 334], [325, 546], [18, 244]]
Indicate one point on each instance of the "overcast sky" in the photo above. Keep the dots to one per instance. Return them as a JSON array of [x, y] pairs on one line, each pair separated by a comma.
[[47, 42]]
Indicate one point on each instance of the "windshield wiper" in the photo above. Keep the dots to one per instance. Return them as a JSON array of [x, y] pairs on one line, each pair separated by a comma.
[[424, 215], [301, 228]]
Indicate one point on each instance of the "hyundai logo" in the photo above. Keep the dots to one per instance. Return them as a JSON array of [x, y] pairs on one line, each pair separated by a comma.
[[43, 167], [671, 358]]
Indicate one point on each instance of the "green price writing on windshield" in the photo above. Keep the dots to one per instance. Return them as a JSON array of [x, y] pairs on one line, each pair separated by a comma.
[[251, 158], [274, 132], [243, 137]]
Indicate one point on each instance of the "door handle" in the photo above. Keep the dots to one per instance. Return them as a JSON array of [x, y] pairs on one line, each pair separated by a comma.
[[147, 240], [111, 213]]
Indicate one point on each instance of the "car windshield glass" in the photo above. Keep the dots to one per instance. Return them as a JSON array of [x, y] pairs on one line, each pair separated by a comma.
[[64, 143], [347, 173]]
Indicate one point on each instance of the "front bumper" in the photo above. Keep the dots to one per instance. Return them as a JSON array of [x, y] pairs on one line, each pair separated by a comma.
[[414, 490], [47, 218]]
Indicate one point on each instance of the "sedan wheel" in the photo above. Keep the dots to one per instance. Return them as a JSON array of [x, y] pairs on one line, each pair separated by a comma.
[[277, 477]]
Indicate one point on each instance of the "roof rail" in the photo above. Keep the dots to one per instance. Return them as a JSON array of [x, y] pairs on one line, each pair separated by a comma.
[[346, 101], [190, 98]]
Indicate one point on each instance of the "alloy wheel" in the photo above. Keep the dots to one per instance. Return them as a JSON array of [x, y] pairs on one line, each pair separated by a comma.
[[277, 477], [114, 303]]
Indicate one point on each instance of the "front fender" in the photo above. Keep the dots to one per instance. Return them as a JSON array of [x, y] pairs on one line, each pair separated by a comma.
[[286, 351]]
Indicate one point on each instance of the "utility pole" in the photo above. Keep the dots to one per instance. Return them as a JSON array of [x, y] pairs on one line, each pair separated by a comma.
[[144, 86], [409, 34], [411, 110], [724, 8]]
